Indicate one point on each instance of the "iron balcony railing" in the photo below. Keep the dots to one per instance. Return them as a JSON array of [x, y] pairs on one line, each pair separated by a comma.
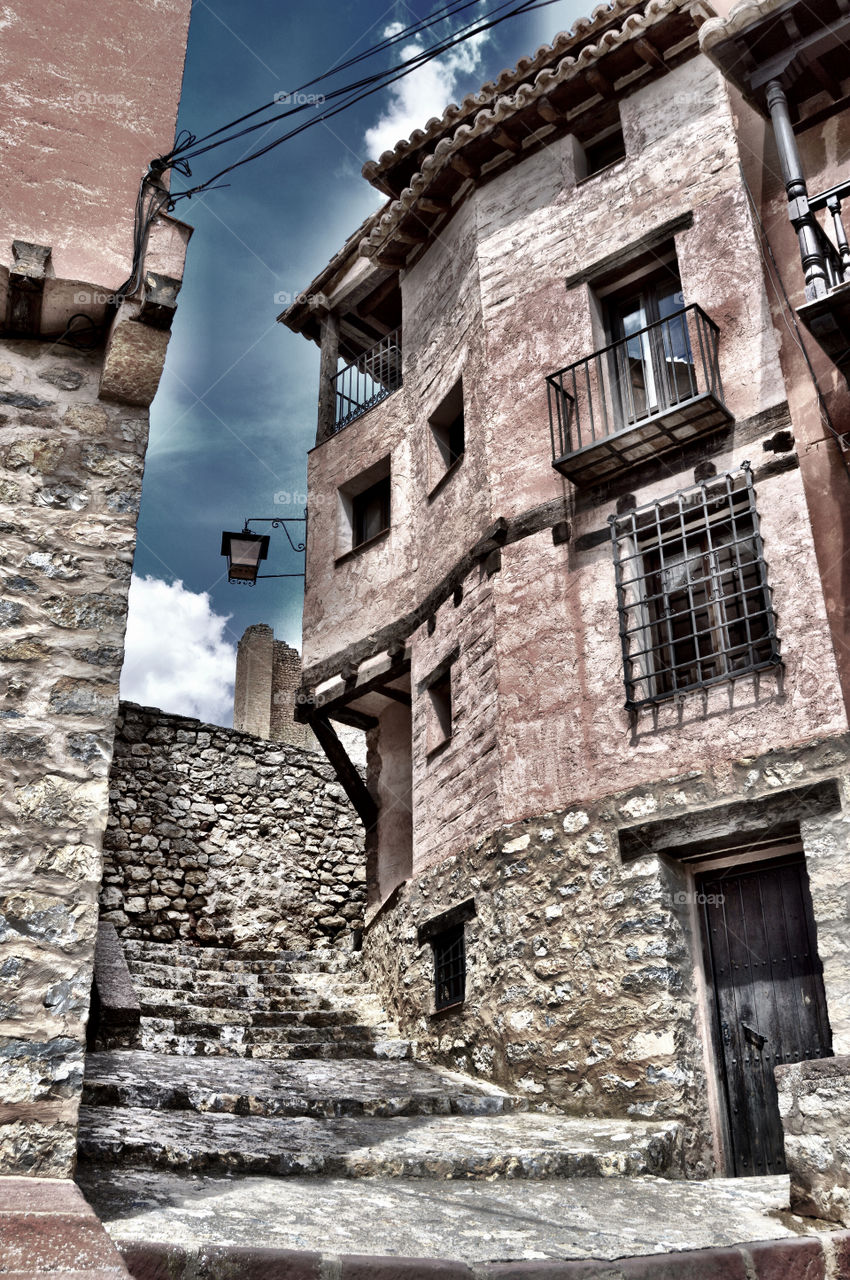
[[836, 255], [647, 375], [368, 380]]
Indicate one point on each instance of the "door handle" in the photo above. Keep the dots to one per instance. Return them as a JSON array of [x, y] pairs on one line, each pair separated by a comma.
[[755, 1037]]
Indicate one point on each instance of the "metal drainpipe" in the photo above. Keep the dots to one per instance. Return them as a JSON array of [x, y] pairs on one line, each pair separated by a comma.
[[802, 218]]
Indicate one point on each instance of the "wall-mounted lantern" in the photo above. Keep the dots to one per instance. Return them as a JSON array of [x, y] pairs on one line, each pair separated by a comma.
[[245, 550]]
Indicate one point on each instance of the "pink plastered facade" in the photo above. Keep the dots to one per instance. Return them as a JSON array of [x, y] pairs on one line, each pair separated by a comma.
[[491, 596]]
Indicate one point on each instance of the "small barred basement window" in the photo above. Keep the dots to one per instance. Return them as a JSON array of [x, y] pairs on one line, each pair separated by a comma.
[[445, 933], [692, 594], [449, 968]]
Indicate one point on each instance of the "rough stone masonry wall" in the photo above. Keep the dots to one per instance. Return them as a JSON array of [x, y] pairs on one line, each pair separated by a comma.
[[583, 986], [70, 482], [220, 837]]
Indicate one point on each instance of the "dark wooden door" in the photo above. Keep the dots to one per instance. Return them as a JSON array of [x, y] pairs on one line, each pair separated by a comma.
[[768, 996]]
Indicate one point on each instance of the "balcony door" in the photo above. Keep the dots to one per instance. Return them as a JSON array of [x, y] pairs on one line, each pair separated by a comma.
[[651, 362]]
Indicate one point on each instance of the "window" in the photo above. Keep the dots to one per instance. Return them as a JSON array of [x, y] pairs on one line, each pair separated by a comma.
[[364, 508], [449, 968], [600, 150], [448, 437], [651, 364], [440, 712], [437, 691], [445, 932], [692, 593], [371, 512], [605, 151]]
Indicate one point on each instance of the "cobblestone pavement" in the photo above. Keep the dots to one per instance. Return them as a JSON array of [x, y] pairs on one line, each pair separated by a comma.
[[471, 1221]]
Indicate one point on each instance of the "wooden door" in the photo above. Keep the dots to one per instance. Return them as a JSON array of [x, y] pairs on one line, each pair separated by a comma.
[[769, 999]]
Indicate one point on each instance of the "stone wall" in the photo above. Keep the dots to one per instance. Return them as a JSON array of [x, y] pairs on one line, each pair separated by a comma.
[[584, 969], [220, 837], [70, 482], [814, 1102]]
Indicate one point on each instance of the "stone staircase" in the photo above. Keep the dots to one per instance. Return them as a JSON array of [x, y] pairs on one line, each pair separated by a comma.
[[285, 1064]]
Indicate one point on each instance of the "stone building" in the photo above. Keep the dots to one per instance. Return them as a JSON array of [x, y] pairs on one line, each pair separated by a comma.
[[576, 560], [268, 681], [268, 676], [86, 299]]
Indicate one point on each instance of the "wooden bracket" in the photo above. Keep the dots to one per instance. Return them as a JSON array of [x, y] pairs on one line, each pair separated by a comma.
[[27, 275], [349, 778]]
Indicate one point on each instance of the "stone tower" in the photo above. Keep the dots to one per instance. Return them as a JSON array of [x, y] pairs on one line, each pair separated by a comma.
[[268, 673]]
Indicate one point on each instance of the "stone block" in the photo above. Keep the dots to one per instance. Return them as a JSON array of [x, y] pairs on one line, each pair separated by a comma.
[[814, 1103]]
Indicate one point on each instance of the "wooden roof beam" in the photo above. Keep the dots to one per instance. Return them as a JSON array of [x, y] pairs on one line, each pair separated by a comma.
[[599, 83], [648, 53], [504, 140]]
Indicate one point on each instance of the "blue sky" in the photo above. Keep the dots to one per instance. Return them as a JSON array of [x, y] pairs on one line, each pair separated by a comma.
[[235, 413]]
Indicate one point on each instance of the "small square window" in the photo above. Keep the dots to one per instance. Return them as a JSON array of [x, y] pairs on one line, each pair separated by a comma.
[[692, 592], [371, 512], [599, 152], [449, 968], [448, 434], [364, 508]]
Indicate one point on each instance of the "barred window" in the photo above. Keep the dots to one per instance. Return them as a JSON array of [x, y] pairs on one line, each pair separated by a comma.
[[449, 967], [692, 593]]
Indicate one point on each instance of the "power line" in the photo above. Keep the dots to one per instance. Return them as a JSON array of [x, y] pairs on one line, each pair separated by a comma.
[[410, 32], [152, 196], [370, 84]]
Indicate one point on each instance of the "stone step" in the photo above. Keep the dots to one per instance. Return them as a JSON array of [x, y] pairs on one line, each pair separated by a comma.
[[177, 978], [348, 1087], [254, 1033], [536, 1224], [231, 1044], [245, 1014], [525, 1145], [220, 999], [211, 954], [209, 960]]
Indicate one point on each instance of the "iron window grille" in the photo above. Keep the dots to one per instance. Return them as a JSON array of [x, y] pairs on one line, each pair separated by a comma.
[[692, 594], [449, 967]]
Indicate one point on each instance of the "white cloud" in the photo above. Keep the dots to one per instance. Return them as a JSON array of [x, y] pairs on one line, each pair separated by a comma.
[[424, 93], [176, 656]]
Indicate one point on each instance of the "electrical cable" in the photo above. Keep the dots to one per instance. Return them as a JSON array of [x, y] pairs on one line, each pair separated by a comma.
[[379, 79], [187, 146], [385, 79], [410, 32]]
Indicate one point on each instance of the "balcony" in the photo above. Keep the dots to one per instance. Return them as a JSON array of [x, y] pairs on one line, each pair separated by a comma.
[[372, 377], [827, 314], [654, 390]]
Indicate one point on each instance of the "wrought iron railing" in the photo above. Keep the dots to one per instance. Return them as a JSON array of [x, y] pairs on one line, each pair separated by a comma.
[[836, 254], [641, 377], [368, 380]]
